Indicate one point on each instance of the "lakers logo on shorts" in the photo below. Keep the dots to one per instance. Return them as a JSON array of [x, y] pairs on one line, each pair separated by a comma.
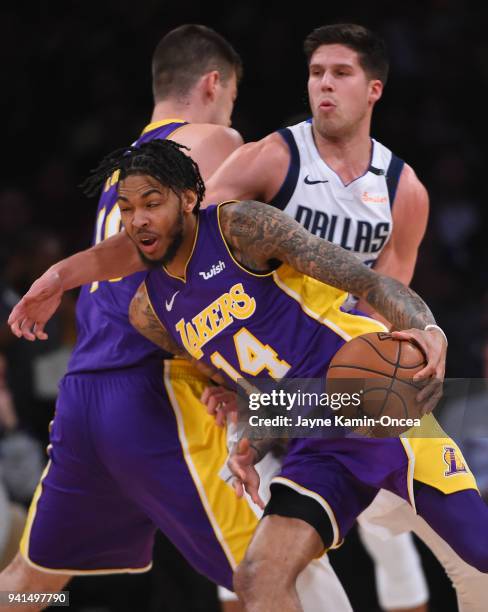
[[454, 462]]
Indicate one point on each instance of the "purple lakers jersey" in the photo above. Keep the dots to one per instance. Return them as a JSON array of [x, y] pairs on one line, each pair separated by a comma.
[[106, 339], [278, 324]]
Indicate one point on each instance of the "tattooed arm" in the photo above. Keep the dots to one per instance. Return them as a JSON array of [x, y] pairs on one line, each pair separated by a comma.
[[142, 317], [260, 234]]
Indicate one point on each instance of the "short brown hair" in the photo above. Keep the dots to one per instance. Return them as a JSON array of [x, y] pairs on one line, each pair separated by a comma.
[[370, 47], [185, 54]]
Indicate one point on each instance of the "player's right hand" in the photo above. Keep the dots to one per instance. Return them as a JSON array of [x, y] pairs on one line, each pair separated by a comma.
[[430, 379], [246, 478], [30, 315], [220, 402]]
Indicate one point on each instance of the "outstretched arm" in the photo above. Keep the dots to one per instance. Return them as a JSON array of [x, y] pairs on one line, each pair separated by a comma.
[[115, 257], [259, 234]]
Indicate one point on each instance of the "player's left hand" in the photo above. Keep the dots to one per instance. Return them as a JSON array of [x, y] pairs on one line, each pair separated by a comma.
[[30, 315], [220, 403], [434, 346]]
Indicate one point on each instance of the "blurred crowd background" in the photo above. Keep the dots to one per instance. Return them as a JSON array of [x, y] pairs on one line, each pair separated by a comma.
[[76, 84]]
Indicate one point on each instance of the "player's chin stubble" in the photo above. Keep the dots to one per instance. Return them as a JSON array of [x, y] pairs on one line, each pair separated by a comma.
[[174, 245]]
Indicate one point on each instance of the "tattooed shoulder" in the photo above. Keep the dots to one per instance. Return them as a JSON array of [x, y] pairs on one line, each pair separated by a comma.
[[251, 230]]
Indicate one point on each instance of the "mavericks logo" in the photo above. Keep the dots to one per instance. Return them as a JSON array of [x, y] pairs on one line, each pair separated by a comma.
[[454, 462], [368, 198]]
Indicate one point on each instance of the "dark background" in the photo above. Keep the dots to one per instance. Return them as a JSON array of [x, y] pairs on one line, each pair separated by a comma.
[[76, 84]]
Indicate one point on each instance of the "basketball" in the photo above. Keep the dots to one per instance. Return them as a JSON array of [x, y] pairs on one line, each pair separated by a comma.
[[381, 369]]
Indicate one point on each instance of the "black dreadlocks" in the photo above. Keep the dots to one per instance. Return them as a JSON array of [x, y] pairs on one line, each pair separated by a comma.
[[164, 160]]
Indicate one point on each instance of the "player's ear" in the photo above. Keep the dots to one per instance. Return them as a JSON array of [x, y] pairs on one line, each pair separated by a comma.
[[188, 200], [210, 84], [375, 90]]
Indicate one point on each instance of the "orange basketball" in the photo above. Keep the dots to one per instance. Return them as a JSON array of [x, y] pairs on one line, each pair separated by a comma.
[[379, 368]]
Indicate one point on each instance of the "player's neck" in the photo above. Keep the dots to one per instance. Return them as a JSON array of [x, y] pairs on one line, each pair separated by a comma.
[[187, 110], [178, 265], [349, 155]]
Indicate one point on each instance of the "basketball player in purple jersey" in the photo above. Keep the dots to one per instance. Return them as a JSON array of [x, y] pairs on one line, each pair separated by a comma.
[[123, 456], [228, 285], [401, 247], [333, 178], [168, 468]]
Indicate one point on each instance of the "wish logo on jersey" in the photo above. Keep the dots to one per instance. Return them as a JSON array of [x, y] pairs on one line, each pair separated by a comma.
[[215, 269], [235, 304], [351, 234], [454, 462]]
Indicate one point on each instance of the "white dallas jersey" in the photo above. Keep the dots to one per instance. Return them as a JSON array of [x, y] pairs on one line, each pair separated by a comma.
[[356, 216]]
